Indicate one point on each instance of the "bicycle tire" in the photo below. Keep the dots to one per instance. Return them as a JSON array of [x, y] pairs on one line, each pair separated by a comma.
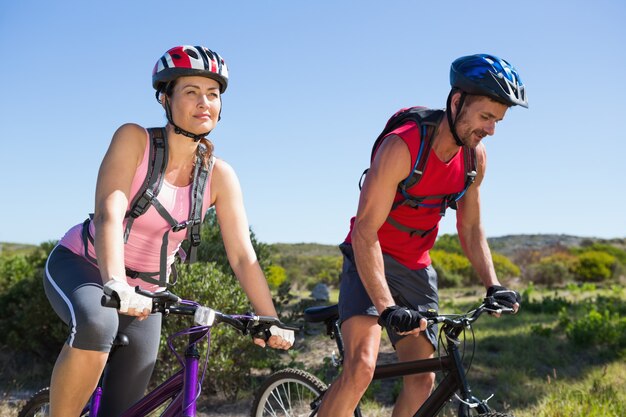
[[288, 393], [39, 405], [494, 414]]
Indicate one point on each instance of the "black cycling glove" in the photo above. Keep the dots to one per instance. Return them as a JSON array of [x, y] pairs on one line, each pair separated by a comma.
[[400, 319], [504, 296]]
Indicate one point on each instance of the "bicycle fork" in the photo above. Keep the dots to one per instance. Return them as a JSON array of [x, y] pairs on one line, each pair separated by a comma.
[[468, 401]]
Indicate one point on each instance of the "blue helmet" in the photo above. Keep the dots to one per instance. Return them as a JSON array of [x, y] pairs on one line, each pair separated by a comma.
[[488, 75]]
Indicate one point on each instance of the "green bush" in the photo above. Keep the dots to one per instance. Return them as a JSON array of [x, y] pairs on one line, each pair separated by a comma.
[[619, 254], [27, 322], [448, 243], [551, 270], [452, 269], [504, 267], [232, 356], [598, 328], [14, 268], [306, 271], [547, 305], [594, 266], [598, 321], [276, 275], [212, 249]]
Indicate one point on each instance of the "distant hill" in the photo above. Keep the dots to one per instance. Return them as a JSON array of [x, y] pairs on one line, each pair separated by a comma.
[[7, 247], [509, 245], [506, 245], [305, 249]]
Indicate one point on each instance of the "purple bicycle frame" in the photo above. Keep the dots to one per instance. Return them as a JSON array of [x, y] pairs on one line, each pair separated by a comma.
[[182, 388]]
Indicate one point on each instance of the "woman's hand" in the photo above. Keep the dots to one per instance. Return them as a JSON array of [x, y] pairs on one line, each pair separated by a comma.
[[279, 339], [131, 303]]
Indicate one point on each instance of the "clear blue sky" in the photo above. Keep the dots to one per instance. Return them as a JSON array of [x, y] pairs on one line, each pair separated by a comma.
[[312, 84]]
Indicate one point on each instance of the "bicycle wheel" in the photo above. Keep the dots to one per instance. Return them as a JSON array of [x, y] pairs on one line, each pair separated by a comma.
[[288, 393], [495, 414], [38, 405]]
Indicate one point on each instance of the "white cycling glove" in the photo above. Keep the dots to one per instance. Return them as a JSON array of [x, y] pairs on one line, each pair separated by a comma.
[[128, 297], [287, 335], [204, 316]]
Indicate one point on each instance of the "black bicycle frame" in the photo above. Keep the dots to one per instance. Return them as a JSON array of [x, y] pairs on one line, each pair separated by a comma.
[[450, 364], [454, 379]]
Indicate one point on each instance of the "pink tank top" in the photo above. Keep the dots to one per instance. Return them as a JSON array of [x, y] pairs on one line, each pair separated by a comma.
[[439, 178], [142, 251]]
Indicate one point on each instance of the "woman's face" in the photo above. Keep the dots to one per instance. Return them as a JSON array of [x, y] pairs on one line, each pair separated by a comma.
[[196, 103]]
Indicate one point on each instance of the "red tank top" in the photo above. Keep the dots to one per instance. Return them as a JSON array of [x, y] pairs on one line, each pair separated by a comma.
[[439, 178]]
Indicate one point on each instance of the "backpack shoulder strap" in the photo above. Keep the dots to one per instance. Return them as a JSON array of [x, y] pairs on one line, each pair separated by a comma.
[[154, 177], [427, 121], [200, 181]]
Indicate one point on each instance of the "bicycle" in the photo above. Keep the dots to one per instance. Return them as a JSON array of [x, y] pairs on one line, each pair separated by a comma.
[[297, 393], [179, 393]]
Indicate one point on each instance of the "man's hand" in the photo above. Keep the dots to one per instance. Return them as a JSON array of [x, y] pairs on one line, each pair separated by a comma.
[[505, 297], [402, 320]]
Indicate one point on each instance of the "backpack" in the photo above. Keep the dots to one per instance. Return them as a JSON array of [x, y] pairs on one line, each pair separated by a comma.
[[427, 120], [147, 196]]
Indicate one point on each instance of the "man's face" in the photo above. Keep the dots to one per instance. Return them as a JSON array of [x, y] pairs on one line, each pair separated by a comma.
[[478, 119]]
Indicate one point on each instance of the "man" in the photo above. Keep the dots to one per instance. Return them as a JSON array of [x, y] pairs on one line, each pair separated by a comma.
[[387, 275]]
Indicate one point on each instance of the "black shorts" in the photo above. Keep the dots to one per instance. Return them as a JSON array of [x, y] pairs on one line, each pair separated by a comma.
[[416, 289]]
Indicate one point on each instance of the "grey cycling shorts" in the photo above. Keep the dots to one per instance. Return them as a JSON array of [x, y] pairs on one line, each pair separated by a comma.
[[416, 289], [74, 288]]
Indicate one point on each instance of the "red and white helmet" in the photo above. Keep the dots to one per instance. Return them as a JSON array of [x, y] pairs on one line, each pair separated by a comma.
[[188, 60]]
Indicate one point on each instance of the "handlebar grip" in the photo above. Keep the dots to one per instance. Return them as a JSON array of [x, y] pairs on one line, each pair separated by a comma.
[[263, 331], [112, 301]]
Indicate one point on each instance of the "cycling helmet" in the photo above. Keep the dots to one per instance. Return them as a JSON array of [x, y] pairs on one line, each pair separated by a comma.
[[188, 60], [185, 60], [490, 76]]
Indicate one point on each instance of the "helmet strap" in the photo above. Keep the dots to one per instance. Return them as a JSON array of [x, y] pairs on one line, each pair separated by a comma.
[[451, 123], [177, 129]]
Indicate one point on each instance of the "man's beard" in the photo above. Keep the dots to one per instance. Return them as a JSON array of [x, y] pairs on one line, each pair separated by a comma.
[[466, 133]]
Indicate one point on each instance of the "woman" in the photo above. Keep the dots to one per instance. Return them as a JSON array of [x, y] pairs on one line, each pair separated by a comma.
[[189, 82]]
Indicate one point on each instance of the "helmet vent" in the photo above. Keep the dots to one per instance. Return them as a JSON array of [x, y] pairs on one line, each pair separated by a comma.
[[191, 53]]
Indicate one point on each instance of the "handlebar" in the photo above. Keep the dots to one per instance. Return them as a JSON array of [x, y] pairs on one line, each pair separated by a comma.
[[167, 303], [457, 321]]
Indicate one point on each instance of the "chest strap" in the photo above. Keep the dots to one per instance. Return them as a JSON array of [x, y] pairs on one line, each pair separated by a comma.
[[147, 196]]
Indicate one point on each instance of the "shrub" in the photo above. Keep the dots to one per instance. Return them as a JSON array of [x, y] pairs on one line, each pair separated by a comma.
[[452, 269], [276, 275], [14, 268], [598, 328], [27, 322], [547, 305], [231, 355], [504, 267], [551, 270], [594, 266], [305, 271], [448, 243], [212, 249]]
